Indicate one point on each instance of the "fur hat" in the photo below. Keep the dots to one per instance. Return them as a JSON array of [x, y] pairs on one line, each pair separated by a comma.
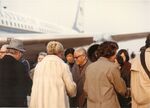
[[16, 44]]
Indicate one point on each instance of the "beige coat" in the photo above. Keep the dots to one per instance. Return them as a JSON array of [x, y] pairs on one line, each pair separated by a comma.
[[52, 82], [140, 83], [101, 83]]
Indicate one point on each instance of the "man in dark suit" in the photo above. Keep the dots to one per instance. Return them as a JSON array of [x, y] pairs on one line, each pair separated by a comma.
[[78, 73], [13, 78]]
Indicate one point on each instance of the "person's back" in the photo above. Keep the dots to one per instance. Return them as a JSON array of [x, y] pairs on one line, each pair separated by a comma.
[[140, 78], [52, 82], [103, 79], [140, 82], [101, 90], [13, 80]]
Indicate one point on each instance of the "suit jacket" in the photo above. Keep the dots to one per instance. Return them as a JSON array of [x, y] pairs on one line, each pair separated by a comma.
[[79, 78], [13, 83], [102, 81]]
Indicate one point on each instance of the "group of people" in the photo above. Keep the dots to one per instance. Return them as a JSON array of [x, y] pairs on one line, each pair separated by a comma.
[[101, 77]]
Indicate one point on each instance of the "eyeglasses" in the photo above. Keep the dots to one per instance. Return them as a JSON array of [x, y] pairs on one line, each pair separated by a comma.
[[78, 56]]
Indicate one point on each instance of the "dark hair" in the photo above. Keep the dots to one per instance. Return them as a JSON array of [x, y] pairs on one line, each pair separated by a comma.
[[147, 42], [132, 55], [125, 53], [69, 51], [107, 49], [91, 52], [119, 60]]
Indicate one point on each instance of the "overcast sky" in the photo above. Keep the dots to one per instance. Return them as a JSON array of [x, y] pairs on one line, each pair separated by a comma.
[[100, 16]]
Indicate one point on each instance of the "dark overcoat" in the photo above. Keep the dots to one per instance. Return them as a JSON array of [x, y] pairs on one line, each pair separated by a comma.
[[13, 83]]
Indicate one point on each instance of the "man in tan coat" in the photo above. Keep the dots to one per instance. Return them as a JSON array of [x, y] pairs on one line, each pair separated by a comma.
[[140, 79], [103, 79]]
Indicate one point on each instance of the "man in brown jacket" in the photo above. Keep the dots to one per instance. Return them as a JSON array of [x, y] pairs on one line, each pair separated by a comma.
[[103, 79]]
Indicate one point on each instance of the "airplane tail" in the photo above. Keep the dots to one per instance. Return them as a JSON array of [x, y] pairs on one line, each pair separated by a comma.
[[79, 19]]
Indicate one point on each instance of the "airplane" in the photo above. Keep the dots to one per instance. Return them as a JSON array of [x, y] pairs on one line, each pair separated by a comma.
[[15, 23], [35, 34]]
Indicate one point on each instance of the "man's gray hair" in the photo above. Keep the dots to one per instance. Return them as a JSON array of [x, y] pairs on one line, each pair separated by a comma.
[[81, 50], [43, 54]]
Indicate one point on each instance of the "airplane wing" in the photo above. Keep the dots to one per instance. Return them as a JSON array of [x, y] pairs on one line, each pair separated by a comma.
[[131, 36], [35, 43]]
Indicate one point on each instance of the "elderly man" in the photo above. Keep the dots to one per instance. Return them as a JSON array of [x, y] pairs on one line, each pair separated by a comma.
[[78, 73], [13, 80]]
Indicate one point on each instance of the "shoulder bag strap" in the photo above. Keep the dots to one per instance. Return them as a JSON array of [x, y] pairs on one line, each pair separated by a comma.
[[142, 58]]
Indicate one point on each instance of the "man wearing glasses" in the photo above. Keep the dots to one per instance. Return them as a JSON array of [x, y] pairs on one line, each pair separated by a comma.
[[78, 74]]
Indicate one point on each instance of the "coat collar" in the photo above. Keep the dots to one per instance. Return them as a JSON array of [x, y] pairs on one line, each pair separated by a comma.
[[103, 58]]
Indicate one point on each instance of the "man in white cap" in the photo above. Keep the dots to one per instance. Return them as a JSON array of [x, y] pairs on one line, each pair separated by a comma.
[[13, 79]]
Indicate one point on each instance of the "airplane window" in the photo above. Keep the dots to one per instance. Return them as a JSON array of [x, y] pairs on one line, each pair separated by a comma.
[[18, 25], [11, 23], [6, 22], [2, 21]]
